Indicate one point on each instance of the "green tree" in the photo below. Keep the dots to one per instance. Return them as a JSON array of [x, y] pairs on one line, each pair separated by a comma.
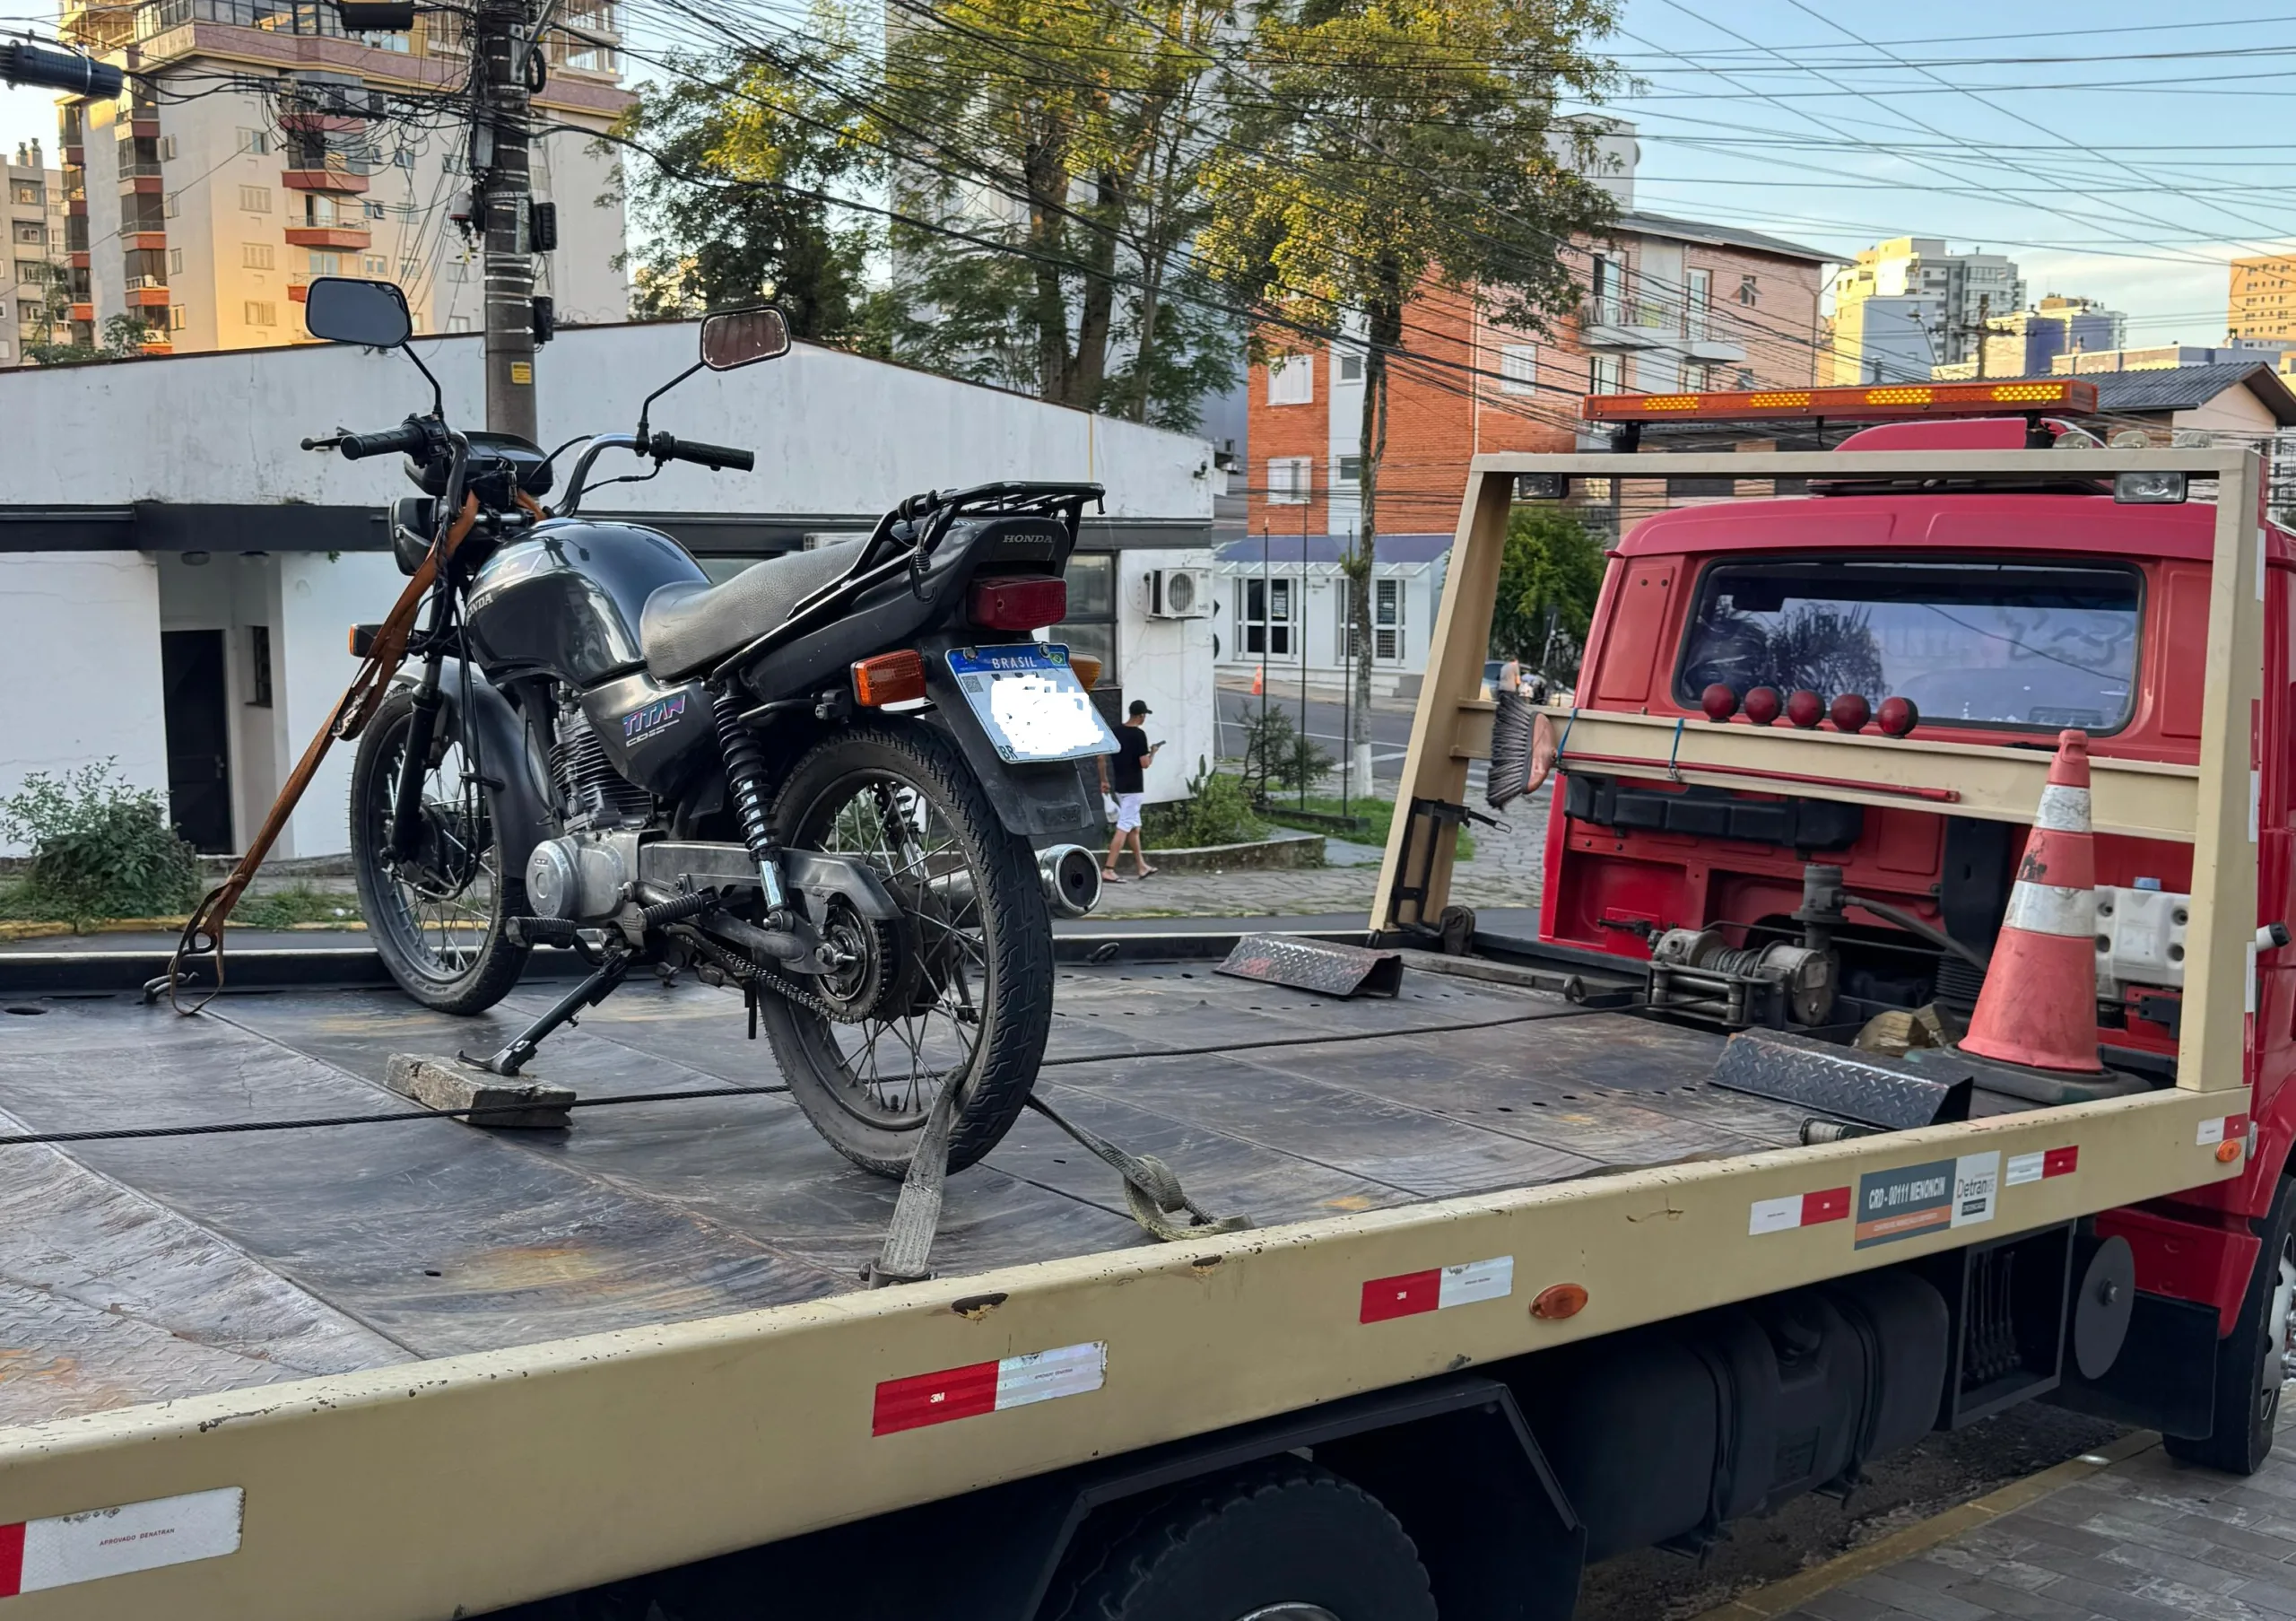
[[1396, 144], [743, 149], [1054, 155], [123, 335], [1548, 578]]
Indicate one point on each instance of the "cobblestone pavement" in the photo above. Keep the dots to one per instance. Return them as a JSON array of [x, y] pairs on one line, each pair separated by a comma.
[[2145, 1539], [1505, 872]]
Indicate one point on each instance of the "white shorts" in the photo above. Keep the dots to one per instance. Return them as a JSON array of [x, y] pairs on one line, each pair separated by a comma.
[[1128, 812]]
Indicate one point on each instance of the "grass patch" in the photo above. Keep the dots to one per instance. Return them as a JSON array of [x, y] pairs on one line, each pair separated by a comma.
[[1379, 815], [23, 903]]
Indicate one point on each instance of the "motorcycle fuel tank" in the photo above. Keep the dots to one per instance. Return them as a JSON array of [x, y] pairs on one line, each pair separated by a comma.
[[564, 601], [654, 734]]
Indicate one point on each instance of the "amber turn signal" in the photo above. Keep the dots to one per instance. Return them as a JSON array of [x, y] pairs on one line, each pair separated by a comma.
[[1558, 1301], [2227, 1152], [1086, 670], [889, 678]]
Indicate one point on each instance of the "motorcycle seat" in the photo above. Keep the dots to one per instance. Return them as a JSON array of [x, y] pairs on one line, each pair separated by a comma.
[[687, 626]]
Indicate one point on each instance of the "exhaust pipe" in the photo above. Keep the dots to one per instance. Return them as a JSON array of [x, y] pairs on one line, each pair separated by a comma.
[[1072, 879]]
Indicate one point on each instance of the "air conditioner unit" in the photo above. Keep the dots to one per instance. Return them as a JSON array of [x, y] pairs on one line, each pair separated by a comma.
[[1179, 594]]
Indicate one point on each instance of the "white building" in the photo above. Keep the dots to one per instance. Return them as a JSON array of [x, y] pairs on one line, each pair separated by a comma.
[[178, 598], [203, 209], [1281, 605]]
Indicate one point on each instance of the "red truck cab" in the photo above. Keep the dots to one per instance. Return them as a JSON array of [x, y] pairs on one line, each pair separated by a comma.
[[2005, 616]]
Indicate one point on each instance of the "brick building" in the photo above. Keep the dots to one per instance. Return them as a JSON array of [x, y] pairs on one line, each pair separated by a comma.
[[1668, 305]]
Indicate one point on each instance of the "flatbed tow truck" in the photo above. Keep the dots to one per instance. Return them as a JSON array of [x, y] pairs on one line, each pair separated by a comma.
[[1526, 1286]]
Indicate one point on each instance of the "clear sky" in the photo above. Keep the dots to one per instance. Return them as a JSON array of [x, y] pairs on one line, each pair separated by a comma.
[[2124, 153]]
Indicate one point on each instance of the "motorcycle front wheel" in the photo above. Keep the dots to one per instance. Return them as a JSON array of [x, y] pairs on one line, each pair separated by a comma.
[[437, 912], [957, 992]]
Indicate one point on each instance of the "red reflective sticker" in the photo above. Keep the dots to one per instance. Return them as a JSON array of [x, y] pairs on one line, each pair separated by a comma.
[[12, 1560], [923, 1399], [1404, 1296], [1831, 1205], [2061, 1162]]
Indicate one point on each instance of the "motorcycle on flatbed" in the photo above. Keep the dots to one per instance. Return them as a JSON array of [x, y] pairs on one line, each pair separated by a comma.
[[817, 781]]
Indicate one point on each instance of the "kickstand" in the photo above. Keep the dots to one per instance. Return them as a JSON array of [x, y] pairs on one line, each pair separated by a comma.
[[590, 993], [917, 1215]]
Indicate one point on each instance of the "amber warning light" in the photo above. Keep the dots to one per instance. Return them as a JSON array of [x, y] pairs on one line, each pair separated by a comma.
[[1883, 400]]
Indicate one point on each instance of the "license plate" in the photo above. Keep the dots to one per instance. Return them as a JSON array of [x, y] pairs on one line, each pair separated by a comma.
[[1031, 703]]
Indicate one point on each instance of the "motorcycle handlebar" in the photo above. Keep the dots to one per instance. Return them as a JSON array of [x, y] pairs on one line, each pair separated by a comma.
[[410, 438], [665, 446]]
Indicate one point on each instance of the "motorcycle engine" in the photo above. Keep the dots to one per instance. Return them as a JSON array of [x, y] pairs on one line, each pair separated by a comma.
[[585, 875]]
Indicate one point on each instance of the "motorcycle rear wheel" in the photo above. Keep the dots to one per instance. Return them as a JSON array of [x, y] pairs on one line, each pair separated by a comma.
[[439, 918], [975, 935]]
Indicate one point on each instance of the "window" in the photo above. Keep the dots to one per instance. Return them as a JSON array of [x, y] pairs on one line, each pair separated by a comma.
[[255, 199], [1746, 377], [32, 233], [1518, 369], [260, 312], [171, 210], [319, 262], [1749, 291], [175, 261], [31, 273], [178, 317], [1090, 626], [1292, 380], [1351, 368], [255, 256], [1608, 281], [29, 313], [1290, 479], [256, 142], [259, 666], [374, 266], [1971, 643], [374, 209], [319, 210], [458, 323], [405, 158], [1264, 617], [1387, 619], [1351, 470], [167, 148], [1607, 374], [31, 194], [1698, 303]]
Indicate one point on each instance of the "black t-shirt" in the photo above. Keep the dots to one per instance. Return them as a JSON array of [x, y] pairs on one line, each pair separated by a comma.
[[1124, 768]]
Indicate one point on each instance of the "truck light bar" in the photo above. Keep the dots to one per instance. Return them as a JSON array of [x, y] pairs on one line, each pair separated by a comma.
[[2075, 395]]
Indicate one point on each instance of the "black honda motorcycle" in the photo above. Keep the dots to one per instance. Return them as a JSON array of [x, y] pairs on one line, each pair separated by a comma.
[[845, 781]]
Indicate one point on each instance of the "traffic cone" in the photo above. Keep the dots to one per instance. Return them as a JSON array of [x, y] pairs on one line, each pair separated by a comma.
[[1259, 681], [2038, 1007]]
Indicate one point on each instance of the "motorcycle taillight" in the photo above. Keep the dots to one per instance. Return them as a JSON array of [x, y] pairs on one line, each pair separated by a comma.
[[1028, 604]]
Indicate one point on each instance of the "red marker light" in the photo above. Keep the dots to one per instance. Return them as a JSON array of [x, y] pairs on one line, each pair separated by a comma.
[[1850, 712], [1762, 705], [1719, 701], [1897, 715], [1805, 709]]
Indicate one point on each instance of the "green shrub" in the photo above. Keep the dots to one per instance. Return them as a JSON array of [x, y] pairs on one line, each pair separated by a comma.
[[1278, 757], [1217, 811], [101, 848]]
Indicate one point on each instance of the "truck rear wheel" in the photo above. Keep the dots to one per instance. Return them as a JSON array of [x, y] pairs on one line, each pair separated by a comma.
[[2248, 1360], [1278, 1541]]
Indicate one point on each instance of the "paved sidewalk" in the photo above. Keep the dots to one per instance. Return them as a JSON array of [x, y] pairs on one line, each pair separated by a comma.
[[2127, 1535]]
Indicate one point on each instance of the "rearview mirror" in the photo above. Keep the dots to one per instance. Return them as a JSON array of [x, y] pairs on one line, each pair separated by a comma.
[[741, 338], [343, 310]]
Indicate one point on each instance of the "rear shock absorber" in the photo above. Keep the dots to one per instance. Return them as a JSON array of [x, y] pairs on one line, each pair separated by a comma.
[[745, 781]]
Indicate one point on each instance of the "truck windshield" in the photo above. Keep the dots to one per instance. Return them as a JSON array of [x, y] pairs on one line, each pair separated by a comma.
[[1987, 644]]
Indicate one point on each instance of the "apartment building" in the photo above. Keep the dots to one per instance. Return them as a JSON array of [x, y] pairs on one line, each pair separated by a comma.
[[1908, 305], [1668, 305], [33, 207], [262, 145], [2263, 302], [2028, 343]]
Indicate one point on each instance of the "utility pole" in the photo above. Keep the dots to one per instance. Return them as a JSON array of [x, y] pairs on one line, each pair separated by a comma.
[[1984, 327], [504, 42]]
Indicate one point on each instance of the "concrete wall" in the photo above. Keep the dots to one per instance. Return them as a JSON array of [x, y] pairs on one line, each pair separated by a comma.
[[1167, 663], [79, 662], [833, 433]]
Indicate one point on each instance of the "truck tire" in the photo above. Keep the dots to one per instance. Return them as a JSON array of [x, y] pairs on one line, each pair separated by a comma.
[[2248, 1359], [1281, 1540]]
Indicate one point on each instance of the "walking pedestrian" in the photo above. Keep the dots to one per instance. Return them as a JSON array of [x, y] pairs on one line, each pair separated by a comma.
[[1122, 778]]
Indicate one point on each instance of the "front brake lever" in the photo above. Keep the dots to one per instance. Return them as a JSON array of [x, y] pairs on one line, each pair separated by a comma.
[[339, 435]]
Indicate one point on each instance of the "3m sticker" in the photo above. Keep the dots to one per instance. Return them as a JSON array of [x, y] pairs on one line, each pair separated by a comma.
[[2033, 1167], [1976, 1185], [37, 1555], [1409, 1293], [1797, 1210], [988, 1387], [2213, 1132]]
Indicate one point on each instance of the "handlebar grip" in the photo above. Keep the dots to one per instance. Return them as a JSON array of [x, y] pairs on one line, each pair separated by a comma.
[[669, 448], [409, 438]]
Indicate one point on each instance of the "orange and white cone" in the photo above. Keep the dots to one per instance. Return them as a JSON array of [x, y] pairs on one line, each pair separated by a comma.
[[2038, 1007], [1259, 681]]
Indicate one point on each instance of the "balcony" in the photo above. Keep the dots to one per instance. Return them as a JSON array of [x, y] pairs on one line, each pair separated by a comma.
[[1613, 324], [144, 293], [81, 313], [154, 241], [322, 180], [328, 236]]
